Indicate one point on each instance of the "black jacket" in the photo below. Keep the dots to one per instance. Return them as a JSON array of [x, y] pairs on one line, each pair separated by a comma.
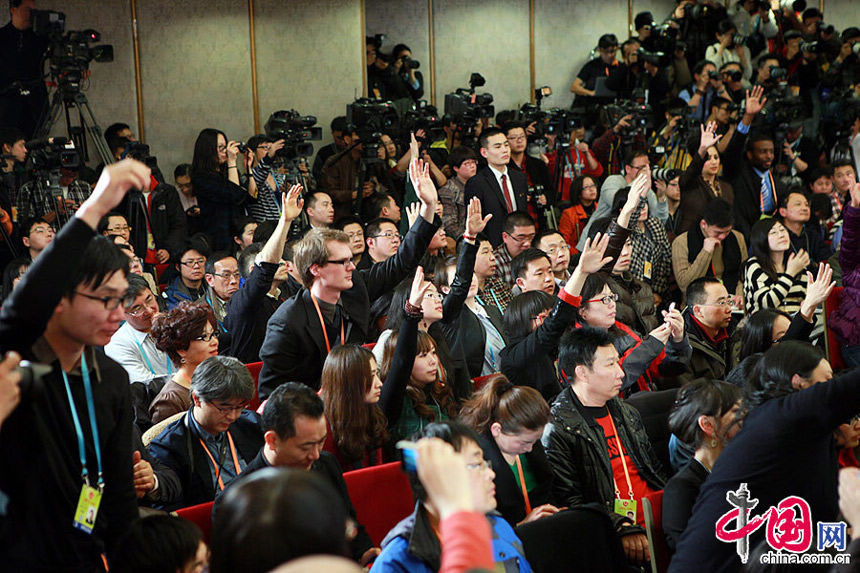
[[576, 450], [747, 188], [485, 187], [248, 312], [294, 349], [509, 496], [40, 469], [169, 225], [468, 337], [219, 200], [178, 448], [679, 496], [538, 174]]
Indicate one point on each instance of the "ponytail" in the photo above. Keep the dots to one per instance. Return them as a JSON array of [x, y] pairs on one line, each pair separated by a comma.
[[516, 408]]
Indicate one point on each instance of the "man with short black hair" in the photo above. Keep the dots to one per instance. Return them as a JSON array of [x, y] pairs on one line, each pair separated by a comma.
[[223, 279], [794, 212], [596, 443], [500, 190], [320, 210], [13, 174], [383, 205], [708, 318], [553, 244], [463, 161], [604, 66], [537, 175], [383, 240], [711, 248], [517, 236], [338, 128], [23, 95], [38, 236], [532, 271]]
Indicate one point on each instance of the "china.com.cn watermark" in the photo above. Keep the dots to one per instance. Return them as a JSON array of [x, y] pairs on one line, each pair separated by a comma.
[[788, 531]]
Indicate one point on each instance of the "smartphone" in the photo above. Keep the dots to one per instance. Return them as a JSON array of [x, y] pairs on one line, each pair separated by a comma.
[[409, 459]]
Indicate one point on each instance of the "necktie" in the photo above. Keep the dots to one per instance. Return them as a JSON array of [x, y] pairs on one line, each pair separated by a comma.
[[766, 201], [506, 193]]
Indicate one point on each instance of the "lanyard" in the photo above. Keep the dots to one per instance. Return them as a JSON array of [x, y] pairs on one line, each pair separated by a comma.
[[148, 363], [623, 461], [91, 409], [322, 323], [221, 326], [523, 485], [218, 465]]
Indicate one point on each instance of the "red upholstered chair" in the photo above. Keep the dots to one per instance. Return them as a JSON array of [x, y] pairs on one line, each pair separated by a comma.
[[370, 346], [159, 270], [381, 496], [254, 368], [652, 508], [834, 348], [480, 381], [201, 515]]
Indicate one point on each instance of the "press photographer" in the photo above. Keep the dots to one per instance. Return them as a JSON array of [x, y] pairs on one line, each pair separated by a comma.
[[23, 95]]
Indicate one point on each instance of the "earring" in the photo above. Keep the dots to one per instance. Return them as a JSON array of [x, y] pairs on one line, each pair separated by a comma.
[[182, 361], [713, 443]]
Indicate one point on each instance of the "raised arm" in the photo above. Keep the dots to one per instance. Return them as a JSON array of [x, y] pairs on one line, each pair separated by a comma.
[[452, 304]]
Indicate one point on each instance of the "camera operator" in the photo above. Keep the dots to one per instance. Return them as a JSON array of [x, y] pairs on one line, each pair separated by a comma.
[[582, 161], [187, 199], [406, 70], [13, 174], [36, 199], [755, 21], [707, 84], [678, 72], [727, 49], [540, 188], [798, 154], [766, 64], [604, 66], [844, 69], [667, 146], [338, 126], [611, 146], [697, 22], [340, 176], [644, 25], [734, 80], [23, 95]]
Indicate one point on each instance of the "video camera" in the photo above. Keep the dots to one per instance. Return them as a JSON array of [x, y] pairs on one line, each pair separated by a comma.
[[53, 154], [69, 53], [296, 130], [640, 117], [466, 106], [140, 151], [424, 117], [369, 119]]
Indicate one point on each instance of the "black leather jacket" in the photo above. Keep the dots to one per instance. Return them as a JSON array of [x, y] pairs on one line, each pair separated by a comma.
[[576, 449]]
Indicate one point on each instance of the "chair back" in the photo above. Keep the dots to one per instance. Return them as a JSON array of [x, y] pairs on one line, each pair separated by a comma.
[[254, 368], [381, 496], [155, 430], [653, 408], [201, 515], [652, 508], [481, 381], [831, 342]]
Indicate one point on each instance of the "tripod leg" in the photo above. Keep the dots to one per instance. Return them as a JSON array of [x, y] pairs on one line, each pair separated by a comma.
[[88, 122]]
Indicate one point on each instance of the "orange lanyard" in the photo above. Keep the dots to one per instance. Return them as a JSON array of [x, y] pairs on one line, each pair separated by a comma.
[[322, 323], [523, 485], [623, 461], [218, 466]]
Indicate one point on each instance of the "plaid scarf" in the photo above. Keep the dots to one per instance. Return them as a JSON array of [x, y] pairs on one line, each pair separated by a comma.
[[651, 245]]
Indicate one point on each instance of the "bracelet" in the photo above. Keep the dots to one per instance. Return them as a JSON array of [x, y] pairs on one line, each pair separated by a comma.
[[232, 167], [469, 237], [413, 311]]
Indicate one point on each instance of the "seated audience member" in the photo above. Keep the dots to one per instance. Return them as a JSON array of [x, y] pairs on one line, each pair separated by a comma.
[[463, 161], [412, 544], [115, 224], [266, 185], [320, 210], [383, 241], [381, 205], [583, 198], [355, 231], [217, 426], [249, 308], [531, 271], [188, 335], [161, 543], [673, 203], [12, 275], [244, 229], [66, 306], [795, 213], [588, 414], [215, 177], [136, 265], [553, 244], [510, 421], [188, 284], [223, 280], [295, 428], [792, 408], [324, 260], [535, 322], [711, 248], [292, 282], [707, 319], [187, 199], [700, 183], [133, 345], [517, 236], [844, 180], [705, 416], [39, 234]]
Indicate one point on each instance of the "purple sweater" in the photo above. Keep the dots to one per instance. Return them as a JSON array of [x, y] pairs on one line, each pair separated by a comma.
[[845, 321]]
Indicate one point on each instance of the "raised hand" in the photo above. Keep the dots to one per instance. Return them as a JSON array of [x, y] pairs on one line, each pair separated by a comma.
[[855, 194], [412, 213], [708, 137], [755, 101], [292, 203], [817, 290], [475, 223], [592, 260], [419, 287], [419, 175], [413, 147]]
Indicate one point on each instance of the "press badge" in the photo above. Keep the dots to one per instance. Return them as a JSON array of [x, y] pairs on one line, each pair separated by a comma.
[[646, 269], [626, 507], [88, 509]]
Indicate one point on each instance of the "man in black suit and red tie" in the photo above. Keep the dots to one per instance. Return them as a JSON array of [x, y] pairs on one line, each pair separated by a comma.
[[501, 190]]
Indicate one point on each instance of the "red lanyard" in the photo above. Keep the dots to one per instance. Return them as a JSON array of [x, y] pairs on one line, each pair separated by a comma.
[[523, 485], [623, 461], [322, 323], [217, 466]]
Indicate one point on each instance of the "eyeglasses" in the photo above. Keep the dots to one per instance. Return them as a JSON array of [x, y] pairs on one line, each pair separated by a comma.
[[228, 276], [517, 138], [523, 238], [637, 168], [344, 262], [482, 465], [723, 303], [120, 229], [139, 309], [193, 263], [607, 300], [207, 337], [229, 409], [355, 235], [388, 235], [109, 302], [42, 230], [434, 296]]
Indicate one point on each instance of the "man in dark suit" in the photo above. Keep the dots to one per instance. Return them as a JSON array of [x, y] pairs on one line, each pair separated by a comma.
[[334, 305], [295, 429], [501, 190]]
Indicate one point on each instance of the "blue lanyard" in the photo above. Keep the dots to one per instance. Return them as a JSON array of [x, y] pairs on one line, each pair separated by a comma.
[[221, 326], [88, 390], [148, 363]]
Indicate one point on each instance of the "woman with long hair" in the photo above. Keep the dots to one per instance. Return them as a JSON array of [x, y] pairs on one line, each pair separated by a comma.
[[700, 182], [705, 417], [770, 279], [785, 448], [215, 177], [583, 197]]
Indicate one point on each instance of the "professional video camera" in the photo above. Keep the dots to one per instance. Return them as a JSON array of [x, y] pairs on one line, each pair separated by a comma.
[[69, 53], [140, 151], [659, 59], [296, 130], [466, 106], [369, 118], [639, 122], [424, 117], [53, 154]]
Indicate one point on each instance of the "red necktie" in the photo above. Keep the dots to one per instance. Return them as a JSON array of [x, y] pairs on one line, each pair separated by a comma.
[[506, 194]]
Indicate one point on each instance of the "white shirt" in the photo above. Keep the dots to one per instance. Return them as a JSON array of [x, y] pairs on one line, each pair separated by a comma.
[[507, 184], [123, 347]]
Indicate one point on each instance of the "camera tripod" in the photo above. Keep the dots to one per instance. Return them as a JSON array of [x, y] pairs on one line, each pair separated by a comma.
[[65, 100]]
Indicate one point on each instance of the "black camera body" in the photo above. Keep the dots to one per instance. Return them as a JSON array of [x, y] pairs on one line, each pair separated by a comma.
[[466, 107], [296, 130], [409, 63], [69, 53], [54, 153], [140, 151], [639, 122], [424, 117], [370, 118]]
